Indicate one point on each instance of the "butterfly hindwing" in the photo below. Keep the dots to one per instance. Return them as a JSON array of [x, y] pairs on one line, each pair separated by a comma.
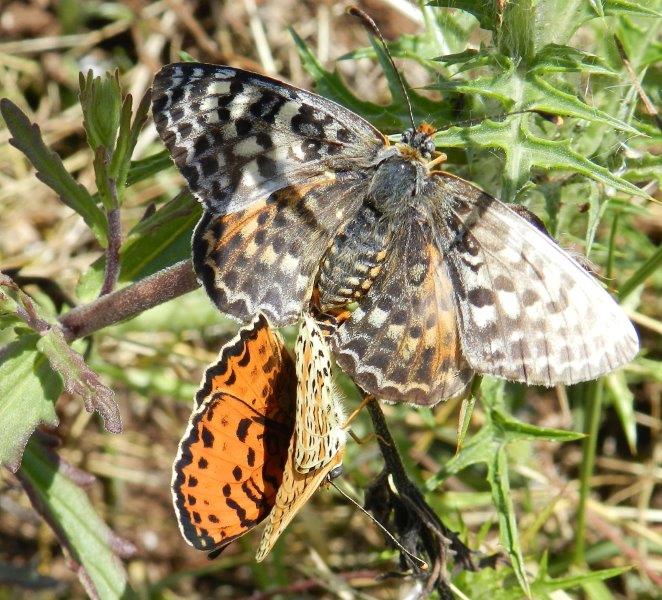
[[318, 442], [231, 458], [264, 258], [527, 311], [319, 421], [401, 343], [237, 136]]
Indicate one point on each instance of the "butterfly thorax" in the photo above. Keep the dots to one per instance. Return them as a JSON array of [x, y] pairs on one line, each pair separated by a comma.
[[398, 182]]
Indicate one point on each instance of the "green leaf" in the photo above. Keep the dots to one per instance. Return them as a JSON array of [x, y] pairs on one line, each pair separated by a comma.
[[80, 380], [641, 274], [498, 478], [533, 93], [474, 59], [146, 167], [126, 140], [518, 430], [101, 100], [544, 587], [557, 58], [90, 544], [26, 137], [524, 151], [484, 12], [623, 400], [479, 449], [160, 240], [29, 389]]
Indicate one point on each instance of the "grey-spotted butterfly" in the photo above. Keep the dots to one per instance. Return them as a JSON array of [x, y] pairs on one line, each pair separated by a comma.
[[307, 203]]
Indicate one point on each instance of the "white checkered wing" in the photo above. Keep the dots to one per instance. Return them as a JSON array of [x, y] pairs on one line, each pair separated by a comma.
[[527, 311], [237, 136]]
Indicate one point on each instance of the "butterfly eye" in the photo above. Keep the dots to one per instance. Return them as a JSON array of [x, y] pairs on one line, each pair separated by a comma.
[[407, 136], [427, 148]]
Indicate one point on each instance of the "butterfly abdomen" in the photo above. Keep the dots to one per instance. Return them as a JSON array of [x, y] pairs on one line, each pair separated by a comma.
[[354, 259]]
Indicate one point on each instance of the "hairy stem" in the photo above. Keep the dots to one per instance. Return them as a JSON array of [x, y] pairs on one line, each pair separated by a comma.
[[130, 301], [112, 252]]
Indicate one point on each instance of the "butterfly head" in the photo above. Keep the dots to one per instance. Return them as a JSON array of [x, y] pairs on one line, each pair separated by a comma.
[[420, 139]]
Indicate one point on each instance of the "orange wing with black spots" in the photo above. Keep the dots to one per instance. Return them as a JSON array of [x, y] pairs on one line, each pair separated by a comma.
[[231, 459]]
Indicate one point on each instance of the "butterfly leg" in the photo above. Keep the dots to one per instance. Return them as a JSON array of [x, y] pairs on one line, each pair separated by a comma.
[[366, 400]]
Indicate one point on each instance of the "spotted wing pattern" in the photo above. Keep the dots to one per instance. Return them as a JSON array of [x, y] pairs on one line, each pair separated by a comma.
[[527, 311], [318, 440], [237, 136], [230, 461], [264, 258], [319, 418], [402, 342]]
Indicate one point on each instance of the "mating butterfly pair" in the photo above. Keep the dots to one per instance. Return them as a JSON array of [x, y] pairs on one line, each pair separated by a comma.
[[263, 436], [308, 205]]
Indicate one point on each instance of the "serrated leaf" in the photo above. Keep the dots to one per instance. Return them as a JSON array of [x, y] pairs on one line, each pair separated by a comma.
[[91, 545], [26, 137], [532, 92], [80, 380], [524, 151], [29, 389], [558, 58]]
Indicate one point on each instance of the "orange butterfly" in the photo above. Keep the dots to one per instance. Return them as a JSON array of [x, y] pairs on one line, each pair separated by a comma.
[[247, 453], [231, 458]]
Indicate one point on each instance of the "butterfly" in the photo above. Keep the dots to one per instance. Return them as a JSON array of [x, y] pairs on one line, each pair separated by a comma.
[[307, 203], [264, 434], [230, 461]]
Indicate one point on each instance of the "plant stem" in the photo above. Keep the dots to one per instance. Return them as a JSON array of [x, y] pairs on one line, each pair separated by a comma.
[[112, 252], [593, 393], [130, 301]]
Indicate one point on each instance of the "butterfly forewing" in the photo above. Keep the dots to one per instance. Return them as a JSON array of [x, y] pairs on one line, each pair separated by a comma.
[[401, 342], [237, 136], [527, 311], [264, 258], [231, 458]]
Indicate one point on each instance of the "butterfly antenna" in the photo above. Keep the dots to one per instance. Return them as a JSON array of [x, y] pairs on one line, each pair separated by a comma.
[[371, 26], [421, 563]]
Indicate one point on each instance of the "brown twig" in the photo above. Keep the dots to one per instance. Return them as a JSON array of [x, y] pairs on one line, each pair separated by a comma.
[[129, 301]]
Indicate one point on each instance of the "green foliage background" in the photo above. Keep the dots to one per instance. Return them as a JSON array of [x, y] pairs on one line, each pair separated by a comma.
[[502, 471]]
